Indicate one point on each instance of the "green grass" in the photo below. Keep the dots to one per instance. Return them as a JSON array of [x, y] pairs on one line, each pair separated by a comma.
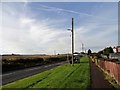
[[111, 80], [84, 60], [66, 76]]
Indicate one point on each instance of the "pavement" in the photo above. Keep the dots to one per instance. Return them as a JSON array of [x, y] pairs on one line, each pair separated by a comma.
[[97, 78], [19, 74]]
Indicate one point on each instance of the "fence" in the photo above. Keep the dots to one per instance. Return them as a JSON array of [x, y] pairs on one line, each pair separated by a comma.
[[111, 68]]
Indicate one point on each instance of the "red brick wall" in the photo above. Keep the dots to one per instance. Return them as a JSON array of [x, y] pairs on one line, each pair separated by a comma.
[[112, 68]]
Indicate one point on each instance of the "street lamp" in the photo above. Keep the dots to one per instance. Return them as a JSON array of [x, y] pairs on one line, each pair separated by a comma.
[[72, 30]]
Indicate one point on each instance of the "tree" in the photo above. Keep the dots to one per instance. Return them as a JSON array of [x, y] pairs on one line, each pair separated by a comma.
[[89, 52], [107, 51], [99, 54]]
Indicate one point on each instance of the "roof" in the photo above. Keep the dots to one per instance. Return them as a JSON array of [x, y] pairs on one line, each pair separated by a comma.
[[118, 47]]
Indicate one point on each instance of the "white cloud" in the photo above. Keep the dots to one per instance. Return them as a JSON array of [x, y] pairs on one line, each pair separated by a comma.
[[27, 35], [64, 10], [24, 34], [99, 32]]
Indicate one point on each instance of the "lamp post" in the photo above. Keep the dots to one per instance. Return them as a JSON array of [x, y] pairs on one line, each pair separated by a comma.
[[72, 30]]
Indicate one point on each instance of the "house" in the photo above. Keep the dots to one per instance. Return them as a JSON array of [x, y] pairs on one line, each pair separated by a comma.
[[116, 49], [116, 54]]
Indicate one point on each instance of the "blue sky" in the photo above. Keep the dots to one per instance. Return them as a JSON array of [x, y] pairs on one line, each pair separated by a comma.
[[41, 27]]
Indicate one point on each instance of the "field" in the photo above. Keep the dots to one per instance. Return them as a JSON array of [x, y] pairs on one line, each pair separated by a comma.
[[66, 76], [15, 62]]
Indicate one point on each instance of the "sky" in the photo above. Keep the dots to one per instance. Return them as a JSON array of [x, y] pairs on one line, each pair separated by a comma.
[[41, 27]]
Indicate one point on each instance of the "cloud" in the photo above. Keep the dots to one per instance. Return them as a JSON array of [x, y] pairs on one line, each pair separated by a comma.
[[59, 10], [100, 37], [99, 32], [28, 35], [24, 33]]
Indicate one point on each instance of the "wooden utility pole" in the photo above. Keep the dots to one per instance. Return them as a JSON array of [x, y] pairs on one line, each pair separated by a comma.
[[72, 40], [54, 52], [82, 47]]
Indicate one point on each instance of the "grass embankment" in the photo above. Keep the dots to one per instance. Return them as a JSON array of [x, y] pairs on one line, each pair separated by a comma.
[[111, 80], [66, 76]]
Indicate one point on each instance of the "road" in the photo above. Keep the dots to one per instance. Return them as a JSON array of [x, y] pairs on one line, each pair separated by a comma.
[[16, 75]]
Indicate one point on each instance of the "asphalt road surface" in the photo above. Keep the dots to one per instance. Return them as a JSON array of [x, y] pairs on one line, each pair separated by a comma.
[[16, 75]]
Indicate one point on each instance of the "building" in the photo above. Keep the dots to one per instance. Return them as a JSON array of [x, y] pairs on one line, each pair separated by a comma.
[[116, 54], [116, 49]]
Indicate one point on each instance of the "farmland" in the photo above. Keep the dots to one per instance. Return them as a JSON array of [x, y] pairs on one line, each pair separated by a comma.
[[66, 76], [15, 62]]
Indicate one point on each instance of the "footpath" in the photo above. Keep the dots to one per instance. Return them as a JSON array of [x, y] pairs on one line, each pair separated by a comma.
[[98, 79]]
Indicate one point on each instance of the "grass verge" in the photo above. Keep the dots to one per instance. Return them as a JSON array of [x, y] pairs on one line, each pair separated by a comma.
[[111, 80], [84, 60], [66, 76]]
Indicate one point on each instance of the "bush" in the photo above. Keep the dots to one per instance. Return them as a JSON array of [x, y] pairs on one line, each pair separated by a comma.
[[19, 63]]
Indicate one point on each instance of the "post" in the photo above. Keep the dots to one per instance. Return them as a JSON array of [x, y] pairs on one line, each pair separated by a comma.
[[68, 57], [82, 47], [72, 40], [54, 52]]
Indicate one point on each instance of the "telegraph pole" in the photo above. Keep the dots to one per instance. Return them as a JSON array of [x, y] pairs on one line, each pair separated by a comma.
[[72, 41], [82, 47], [72, 30], [54, 52]]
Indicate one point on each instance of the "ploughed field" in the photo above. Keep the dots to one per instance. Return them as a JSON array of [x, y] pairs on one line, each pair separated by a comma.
[[65, 76], [15, 62]]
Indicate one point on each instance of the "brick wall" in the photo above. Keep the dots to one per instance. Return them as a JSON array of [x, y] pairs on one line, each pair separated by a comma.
[[111, 68]]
